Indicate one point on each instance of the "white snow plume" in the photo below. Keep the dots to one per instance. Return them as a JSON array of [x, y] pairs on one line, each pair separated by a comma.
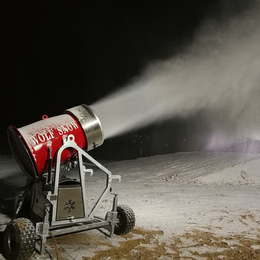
[[219, 73]]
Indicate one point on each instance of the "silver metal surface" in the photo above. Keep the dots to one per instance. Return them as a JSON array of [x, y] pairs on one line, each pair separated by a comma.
[[79, 227], [63, 209], [70, 202], [69, 142], [90, 124], [58, 204]]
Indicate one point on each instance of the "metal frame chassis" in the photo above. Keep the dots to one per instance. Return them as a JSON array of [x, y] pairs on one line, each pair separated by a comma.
[[52, 227]]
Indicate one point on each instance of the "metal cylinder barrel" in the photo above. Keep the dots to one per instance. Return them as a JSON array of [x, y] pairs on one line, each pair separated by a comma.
[[30, 144]]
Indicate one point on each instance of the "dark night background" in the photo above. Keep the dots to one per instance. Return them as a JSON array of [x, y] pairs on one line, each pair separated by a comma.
[[56, 55]]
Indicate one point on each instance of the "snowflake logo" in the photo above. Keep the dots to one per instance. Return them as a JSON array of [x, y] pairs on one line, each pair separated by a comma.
[[69, 206]]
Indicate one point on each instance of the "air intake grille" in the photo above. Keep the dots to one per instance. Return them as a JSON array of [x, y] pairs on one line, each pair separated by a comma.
[[20, 153]]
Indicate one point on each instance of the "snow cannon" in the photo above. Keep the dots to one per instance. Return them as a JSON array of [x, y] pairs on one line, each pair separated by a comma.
[[59, 196], [31, 144]]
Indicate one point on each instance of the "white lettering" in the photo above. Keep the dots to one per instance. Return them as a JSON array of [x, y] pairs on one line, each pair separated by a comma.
[[51, 134], [69, 127], [41, 137], [65, 130], [47, 137], [74, 124], [60, 131], [34, 139]]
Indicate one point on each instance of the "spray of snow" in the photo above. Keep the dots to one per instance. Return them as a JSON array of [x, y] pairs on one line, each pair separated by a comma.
[[218, 73]]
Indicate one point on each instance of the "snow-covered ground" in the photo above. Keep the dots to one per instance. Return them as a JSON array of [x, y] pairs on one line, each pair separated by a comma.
[[187, 206]]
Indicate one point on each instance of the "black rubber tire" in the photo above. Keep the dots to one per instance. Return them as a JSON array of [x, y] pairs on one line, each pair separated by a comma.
[[19, 239], [126, 219]]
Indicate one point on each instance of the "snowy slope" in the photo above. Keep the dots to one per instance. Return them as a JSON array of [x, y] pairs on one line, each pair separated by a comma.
[[173, 194]]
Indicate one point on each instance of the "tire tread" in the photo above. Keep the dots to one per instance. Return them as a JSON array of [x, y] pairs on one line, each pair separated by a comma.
[[25, 232], [127, 218]]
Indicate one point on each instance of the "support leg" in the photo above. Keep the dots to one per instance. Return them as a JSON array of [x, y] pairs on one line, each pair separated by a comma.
[[114, 220], [42, 229]]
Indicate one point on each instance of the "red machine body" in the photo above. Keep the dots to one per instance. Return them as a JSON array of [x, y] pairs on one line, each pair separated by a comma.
[[31, 144]]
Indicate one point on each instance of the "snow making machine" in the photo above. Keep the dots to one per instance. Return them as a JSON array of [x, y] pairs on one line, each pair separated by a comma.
[[52, 203]]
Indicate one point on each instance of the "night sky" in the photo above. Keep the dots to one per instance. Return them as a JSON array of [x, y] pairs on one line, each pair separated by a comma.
[[56, 55]]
